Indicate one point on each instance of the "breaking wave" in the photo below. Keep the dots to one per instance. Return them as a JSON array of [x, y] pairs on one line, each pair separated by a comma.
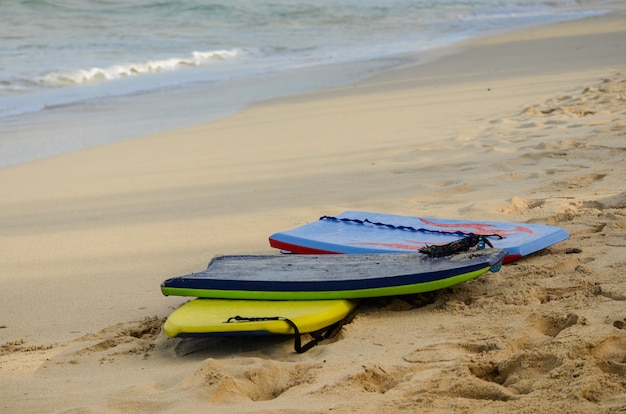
[[95, 74]]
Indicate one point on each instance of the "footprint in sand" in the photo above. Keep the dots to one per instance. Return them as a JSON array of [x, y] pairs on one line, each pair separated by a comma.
[[540, 328], [610, 355], [138, 337], [519, 372], [611, 292], [476, 383], [376, 378], [551, 324], [248, 379], [617, 201], [446, 352], [520, 205], [21, 346], [605, 97], [581, 181], [594, 106]]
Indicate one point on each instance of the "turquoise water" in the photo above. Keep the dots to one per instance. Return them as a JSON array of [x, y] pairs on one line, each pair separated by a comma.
[[78, 73]]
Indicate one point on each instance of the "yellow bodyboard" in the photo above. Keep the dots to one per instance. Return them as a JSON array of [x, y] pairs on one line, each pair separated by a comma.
[[255, 317]]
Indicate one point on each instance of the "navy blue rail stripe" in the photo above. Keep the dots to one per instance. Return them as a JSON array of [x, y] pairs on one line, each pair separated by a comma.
[[198, 282]]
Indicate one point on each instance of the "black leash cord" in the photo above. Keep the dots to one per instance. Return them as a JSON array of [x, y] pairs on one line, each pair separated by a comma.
[[297, 340]]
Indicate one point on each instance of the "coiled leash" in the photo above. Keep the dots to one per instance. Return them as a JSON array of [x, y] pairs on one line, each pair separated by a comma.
[[462, 245]]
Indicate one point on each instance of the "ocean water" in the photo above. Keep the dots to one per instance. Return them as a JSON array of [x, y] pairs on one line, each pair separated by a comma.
[[79, 73]]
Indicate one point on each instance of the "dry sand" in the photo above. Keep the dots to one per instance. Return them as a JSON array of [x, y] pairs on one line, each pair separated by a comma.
[[528, 126]]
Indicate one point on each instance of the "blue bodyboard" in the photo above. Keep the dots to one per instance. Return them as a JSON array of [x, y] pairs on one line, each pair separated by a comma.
[[365, 232]]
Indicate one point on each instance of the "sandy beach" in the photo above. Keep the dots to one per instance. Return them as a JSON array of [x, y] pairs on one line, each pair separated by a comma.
[[527, 126]]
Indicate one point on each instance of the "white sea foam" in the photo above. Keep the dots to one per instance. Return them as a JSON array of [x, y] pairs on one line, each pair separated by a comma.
[[79, 76]]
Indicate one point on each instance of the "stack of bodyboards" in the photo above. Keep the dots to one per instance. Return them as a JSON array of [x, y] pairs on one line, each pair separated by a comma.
[[312, 291]]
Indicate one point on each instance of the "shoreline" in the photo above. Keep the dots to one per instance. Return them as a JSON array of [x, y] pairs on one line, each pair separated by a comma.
[[524, 126], [69, 127], [78, 126]]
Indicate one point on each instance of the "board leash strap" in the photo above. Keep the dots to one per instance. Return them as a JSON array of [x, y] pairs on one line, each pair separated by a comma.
[[404, 228], [477, 241], [298, 347]]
